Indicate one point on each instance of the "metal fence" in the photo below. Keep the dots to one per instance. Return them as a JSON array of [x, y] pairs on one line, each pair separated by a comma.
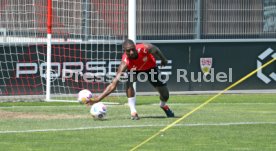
[[156, 19]]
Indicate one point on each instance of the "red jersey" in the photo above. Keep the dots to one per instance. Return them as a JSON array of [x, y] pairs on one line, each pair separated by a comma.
[[145, 60]]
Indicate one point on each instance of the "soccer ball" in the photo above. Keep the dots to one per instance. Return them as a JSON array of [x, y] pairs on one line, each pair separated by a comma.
[[98, 110], [84, 96]]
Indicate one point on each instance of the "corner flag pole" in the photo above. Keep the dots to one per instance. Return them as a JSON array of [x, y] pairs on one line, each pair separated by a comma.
[[49, 37]]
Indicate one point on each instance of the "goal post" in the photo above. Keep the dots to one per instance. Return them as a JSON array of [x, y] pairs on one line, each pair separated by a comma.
[[53, 49], [132, 26]]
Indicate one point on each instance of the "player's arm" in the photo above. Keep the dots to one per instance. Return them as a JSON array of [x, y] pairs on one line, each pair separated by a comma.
[[157, 52], [112, 86]]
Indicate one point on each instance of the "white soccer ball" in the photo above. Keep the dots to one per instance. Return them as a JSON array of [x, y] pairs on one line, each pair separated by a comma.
[[84, 96], [98, 110]]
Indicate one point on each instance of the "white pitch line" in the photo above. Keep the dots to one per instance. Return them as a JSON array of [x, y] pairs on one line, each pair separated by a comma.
[[137, 126], [65, 106], [155, 104]]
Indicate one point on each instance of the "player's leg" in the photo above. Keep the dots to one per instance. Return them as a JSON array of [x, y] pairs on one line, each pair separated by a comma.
[[163, 91], [131, 99], [164, 97], [163, 94]]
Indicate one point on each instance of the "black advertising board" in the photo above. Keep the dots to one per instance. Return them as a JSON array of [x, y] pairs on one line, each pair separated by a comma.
[[191, 67]]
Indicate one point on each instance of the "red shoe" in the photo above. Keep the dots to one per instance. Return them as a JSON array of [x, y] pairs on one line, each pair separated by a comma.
[[168, 111]]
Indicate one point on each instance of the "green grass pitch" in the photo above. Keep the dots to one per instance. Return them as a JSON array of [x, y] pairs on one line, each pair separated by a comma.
[[231, 122]]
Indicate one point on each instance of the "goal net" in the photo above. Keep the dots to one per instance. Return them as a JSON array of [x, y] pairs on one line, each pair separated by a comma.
[[85, 47]]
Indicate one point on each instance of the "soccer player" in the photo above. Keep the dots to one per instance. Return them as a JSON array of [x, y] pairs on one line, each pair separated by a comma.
[[139, 58]]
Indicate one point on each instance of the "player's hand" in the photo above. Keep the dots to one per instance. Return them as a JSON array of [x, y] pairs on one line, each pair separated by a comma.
[[164, 62], [92, 101]]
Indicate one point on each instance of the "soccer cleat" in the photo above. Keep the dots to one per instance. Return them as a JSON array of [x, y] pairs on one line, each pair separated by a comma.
[[168, 111], [134, 116]]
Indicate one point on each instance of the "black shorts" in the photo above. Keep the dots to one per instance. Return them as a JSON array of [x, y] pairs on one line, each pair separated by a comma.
[[152, 75]]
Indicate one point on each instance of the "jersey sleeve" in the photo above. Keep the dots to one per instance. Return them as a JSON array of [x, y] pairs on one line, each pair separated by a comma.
[[142, 49]]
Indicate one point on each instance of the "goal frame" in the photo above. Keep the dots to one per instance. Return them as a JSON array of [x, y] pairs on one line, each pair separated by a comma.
[[131, 35]]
